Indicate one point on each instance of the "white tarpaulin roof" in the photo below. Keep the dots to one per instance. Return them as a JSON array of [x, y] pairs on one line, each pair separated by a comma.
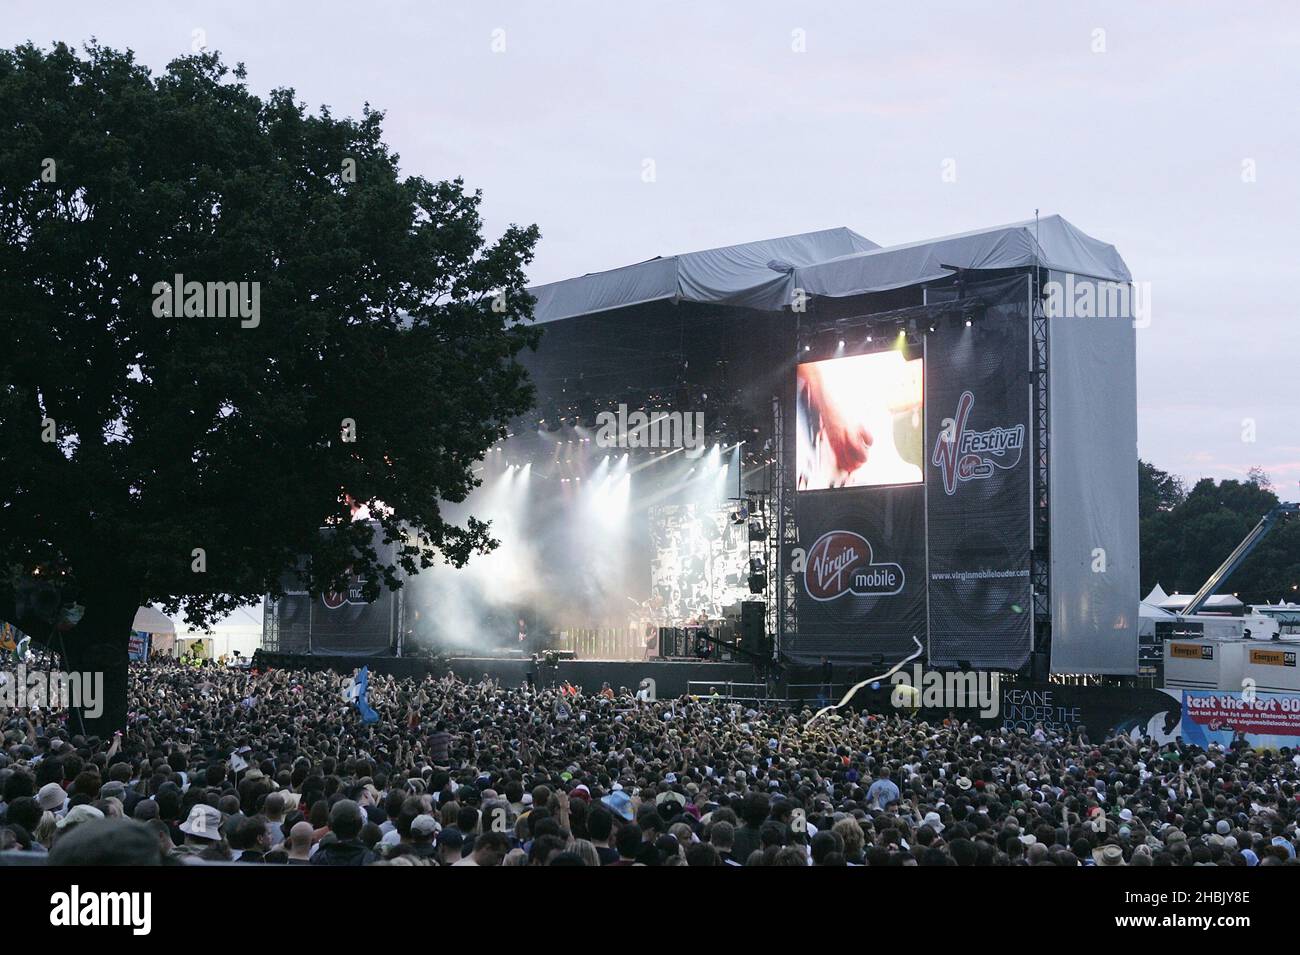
[[1051, 243], [148, 620], [734, 275], [1156, 597], [1217, 602], [834, 263]]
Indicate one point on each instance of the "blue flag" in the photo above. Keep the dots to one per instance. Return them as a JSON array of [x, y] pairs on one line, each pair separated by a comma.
[[356, 692]]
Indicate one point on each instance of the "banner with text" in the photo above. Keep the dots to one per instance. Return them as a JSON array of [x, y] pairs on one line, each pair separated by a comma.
[[978, 473], [861, 572]]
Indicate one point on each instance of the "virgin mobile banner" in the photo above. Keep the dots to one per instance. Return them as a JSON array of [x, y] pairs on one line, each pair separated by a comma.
[[339, 622], [861, 574], [978, 473]]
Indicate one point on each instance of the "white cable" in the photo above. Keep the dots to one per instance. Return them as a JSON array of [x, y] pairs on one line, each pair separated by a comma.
[[871, 679]]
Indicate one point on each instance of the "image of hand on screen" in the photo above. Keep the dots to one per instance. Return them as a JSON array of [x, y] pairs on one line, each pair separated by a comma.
[[859, 421]]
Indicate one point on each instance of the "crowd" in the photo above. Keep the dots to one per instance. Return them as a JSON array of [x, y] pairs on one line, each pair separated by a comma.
[[277, 767]]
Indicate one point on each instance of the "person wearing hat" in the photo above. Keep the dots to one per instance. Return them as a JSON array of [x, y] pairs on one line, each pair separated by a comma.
[[75, 817], [420, 843], [1108, 855], [52, 798], [620, 804], [201, 829]]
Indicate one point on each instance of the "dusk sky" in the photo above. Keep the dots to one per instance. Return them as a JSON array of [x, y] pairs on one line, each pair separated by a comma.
[[1167, 129]]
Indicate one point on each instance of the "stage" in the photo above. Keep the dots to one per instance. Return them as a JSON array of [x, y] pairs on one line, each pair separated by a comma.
[[833, 485]]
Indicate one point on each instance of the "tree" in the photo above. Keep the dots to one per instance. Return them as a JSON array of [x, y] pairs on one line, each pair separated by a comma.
[[1186, 535], [1157, 490], [227, 323]]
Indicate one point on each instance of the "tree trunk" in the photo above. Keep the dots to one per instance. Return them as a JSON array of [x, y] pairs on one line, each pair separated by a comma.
[[98, 646]]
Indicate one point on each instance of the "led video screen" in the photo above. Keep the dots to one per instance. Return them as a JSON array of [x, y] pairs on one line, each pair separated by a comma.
[[859, 421]]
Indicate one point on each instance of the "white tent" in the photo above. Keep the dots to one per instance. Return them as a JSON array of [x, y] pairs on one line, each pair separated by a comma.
[[240, 630], [1156, 597], [1149, 611], [160, 627], [148, 620]]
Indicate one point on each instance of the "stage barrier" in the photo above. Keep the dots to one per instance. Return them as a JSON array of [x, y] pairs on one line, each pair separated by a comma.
[[603, 643]]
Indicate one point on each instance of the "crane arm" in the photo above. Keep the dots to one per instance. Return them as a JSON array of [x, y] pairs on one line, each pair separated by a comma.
[[1242, 551]]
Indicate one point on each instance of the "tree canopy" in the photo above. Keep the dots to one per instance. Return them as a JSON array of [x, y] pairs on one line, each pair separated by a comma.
[[227, 322], [1187, 534]]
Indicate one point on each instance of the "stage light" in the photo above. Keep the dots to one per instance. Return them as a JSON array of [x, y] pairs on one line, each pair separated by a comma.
[[807, 348], [868, 339], [968, 323], [841, 344]]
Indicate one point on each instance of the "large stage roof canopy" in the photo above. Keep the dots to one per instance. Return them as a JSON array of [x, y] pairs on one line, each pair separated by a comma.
[[835, 263]]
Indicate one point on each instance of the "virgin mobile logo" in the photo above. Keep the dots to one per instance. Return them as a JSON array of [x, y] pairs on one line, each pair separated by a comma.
[[334, 599], [964, 455], [840, 562]]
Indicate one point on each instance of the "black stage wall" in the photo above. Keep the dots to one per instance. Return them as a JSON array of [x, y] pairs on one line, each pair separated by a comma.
[[936, 544], [978, 483], [336, 622], [671, 679]]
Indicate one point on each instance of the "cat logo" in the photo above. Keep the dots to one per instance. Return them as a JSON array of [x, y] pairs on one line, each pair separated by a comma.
[[1273, 658]]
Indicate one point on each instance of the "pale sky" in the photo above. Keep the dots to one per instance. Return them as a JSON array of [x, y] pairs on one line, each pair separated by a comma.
[[1142, 144]]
